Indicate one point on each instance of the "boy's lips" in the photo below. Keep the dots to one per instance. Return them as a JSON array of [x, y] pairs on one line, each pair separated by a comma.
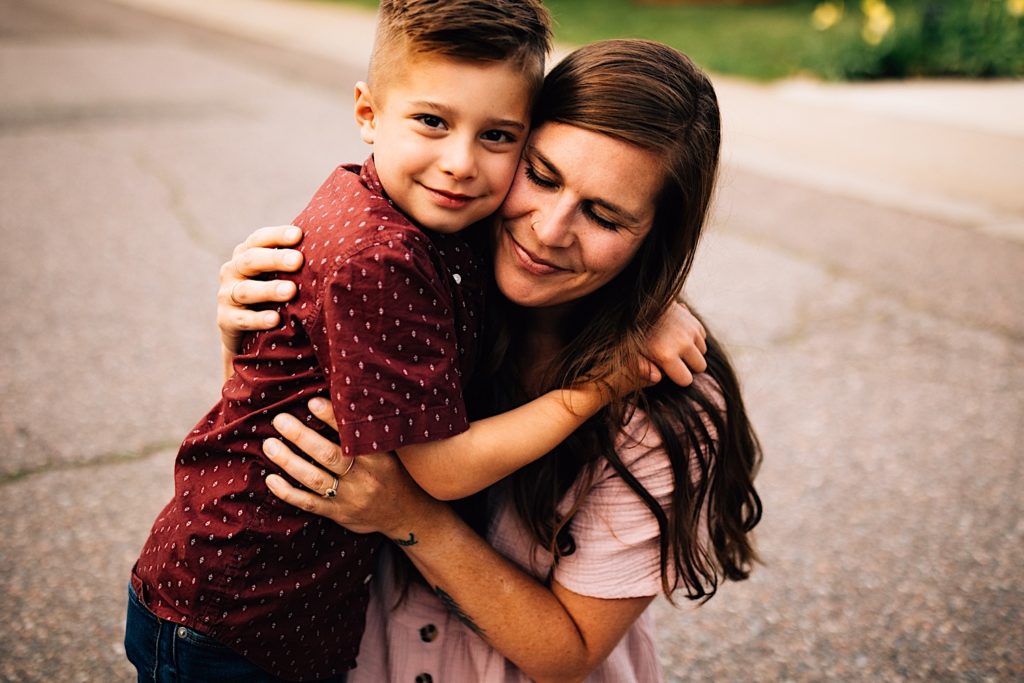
[[448, 200], [531, 262]]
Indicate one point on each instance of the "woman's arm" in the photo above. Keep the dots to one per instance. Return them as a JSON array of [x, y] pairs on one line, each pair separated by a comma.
[[551, 633], [490, 449], [676, 345]]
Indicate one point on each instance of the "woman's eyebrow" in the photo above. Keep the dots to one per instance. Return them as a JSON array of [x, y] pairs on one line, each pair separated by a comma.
[[532, 151]]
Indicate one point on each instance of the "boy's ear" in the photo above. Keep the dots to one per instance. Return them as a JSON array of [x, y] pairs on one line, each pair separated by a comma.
[[365, 113]]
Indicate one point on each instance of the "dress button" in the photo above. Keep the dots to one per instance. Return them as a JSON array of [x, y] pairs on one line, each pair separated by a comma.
[[428, 633], [424, 678], [182, 631]]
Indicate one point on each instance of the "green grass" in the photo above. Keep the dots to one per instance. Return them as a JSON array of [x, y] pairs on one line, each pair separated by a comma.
[[776, 39], [758, 41]]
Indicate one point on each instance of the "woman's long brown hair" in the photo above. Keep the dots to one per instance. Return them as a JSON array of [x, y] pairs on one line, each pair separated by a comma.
[[649, 95]]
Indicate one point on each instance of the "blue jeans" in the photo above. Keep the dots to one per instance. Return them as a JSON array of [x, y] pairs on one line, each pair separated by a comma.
[[163, 652]]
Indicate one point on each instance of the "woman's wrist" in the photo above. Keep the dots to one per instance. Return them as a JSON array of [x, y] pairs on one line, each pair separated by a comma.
[[425, 521]]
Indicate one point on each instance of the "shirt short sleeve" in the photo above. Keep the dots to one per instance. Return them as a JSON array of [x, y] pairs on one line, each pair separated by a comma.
[[617, 537], [387, 343]]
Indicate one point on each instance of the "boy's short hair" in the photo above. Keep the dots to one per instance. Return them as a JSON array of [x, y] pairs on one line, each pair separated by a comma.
[[477, 30]]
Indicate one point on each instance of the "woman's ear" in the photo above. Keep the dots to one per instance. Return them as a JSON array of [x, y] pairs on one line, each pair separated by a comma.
[[365, 112]]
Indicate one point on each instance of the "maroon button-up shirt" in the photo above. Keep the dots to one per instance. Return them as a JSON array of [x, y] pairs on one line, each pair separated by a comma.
[[385, 322]]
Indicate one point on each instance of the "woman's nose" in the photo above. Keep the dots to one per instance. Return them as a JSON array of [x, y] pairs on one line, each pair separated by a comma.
[[553, 228]]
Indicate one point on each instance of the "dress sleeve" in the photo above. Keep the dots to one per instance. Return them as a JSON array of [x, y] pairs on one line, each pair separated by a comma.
[[385, 338], [617, 537]]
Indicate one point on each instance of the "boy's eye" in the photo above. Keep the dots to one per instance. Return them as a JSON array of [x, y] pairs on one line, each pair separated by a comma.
[[498, 136], [430, 121], [537, 179]]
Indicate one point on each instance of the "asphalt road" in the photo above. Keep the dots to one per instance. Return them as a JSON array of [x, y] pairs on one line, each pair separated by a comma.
[[882, 352]]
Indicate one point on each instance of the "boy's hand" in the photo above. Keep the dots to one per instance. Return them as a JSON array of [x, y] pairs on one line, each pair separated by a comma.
[[677, 345], [260, 253]]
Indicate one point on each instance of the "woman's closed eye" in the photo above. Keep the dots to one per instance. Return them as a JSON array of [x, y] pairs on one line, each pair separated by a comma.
[[588, 211], [537, 179]]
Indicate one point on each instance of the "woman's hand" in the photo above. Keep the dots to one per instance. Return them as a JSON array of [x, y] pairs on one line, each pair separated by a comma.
[[259, 253], [374, 493], [677, 345]]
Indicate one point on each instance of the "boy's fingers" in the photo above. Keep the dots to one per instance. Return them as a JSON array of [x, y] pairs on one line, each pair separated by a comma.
[[694, 359], [677, 371]]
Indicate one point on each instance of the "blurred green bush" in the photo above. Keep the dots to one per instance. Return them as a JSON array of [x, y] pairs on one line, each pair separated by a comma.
[[973, 38]]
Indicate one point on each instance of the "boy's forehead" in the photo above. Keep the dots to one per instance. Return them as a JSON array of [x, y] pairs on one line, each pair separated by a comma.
[[430, 76]]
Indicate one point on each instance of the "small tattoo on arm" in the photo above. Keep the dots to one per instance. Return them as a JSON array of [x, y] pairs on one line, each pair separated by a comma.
[[408, 541], [453, 607]]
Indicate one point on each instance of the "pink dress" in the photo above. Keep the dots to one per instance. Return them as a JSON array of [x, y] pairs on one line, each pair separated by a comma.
[[616, 557]]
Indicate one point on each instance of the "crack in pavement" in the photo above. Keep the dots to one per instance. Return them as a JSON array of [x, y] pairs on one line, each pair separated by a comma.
[[104, 460], [178, 205], [908, 299]]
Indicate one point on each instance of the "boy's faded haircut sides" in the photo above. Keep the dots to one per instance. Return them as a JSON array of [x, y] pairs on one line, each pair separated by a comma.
[[476, 30]]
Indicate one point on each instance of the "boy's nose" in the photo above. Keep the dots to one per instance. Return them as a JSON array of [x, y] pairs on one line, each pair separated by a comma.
[[458, 161]]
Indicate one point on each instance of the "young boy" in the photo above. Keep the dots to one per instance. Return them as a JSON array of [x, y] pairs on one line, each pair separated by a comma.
[[386, 324]]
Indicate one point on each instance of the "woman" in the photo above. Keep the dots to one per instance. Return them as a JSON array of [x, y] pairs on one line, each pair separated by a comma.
[[653, 495]]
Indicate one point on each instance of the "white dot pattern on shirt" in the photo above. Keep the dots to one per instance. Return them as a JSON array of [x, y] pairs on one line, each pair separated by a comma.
[[220, 471]]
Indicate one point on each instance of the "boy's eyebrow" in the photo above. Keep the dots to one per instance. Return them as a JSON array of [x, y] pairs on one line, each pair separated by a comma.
[[626, 216], [449, 112]]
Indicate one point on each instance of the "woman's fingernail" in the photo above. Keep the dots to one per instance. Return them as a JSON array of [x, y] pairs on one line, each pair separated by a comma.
[[270, 447], [317, 404], [292, 233], [270, 319], [284, 289], [292, 260]]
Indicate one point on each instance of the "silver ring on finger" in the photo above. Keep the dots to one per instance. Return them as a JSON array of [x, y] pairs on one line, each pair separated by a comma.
[[234, 299], [333, 490]]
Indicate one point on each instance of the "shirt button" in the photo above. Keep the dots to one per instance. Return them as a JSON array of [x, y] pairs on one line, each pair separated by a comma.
[[182, 632], [424, 678], [428, 633]]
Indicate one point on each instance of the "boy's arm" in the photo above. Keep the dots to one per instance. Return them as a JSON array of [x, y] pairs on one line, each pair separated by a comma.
[[495, 447]]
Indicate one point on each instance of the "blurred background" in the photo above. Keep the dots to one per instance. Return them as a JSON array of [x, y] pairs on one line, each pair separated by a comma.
[[865, 266]]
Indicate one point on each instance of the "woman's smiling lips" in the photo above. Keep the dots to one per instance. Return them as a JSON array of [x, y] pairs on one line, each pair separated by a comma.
[[530, 262], [448, 200]]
